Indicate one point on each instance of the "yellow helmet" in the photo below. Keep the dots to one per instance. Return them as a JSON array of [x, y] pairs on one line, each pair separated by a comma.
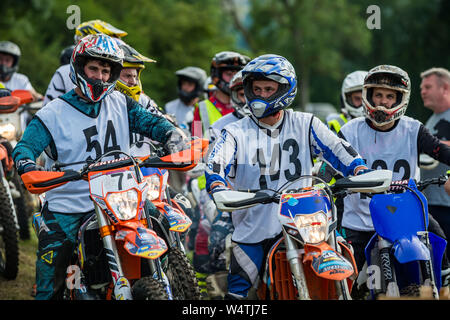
[[133, 59], [97, 26]]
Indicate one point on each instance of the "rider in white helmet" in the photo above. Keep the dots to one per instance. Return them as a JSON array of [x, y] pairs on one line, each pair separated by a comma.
[[351, 101], [386, 139]]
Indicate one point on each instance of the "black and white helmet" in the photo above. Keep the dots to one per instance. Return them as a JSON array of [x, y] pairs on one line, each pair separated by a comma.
[[12, 49], [226, 60], [353, 82], [389, 77]]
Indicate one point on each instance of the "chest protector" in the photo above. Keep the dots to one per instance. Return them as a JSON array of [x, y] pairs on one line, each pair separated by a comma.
[[79, 137], [268, 159], [394, 150]]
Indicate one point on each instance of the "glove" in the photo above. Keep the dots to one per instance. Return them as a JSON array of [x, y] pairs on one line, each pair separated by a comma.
[[27, 165], [398, 188], [218, 188], [176, 142], [363, 171]]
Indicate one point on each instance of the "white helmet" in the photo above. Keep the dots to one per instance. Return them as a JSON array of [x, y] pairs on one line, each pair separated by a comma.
[[353, 82], [236, 85], [389, 77]]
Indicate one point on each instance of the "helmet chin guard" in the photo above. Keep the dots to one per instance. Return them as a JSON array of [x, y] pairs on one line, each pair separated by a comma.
[[387, 77], [273, 68]]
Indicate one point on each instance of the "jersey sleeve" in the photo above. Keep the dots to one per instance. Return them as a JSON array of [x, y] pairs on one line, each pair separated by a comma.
[[335, 151], [221, 159], [142, 121], [34, 140], [432, 146]]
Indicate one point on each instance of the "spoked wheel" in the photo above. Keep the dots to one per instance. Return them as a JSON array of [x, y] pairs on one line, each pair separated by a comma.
[[148, 288], [182, 276], [9, 243]]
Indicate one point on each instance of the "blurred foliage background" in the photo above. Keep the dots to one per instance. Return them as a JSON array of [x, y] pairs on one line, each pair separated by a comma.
[[324, 39]]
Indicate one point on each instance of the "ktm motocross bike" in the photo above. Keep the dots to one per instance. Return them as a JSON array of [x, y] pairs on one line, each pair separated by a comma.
[[310, 261], [170, 222], [117, 254], [9, 225], [403, 255], [11, 129]]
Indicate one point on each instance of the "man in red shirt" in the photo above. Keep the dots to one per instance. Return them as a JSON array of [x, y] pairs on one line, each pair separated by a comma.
[[224, 66]]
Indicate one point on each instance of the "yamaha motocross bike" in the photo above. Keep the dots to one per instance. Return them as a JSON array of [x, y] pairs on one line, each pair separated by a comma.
[[403, 255], [310, 261], [117, 252]]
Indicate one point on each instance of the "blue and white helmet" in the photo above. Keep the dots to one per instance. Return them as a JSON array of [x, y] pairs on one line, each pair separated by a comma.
[[101, 47], [269, 67]]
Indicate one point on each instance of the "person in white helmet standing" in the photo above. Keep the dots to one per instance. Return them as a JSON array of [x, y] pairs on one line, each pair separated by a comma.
[[351, 101]]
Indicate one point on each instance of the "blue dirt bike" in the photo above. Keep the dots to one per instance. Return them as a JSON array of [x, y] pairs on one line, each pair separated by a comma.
[[403, 255]]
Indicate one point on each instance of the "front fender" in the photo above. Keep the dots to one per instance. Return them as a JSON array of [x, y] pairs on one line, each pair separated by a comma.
[[140, 241], [410, 249]]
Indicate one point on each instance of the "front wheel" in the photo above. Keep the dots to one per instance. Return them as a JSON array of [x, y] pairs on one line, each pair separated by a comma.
[[9, 243], [182, 276], [148, 288]]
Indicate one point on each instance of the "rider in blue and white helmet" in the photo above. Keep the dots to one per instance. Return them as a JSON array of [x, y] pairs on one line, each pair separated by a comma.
[[273, 146], [270, 67]]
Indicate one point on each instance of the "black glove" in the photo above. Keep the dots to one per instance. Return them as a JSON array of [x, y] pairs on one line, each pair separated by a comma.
[[26, 165]]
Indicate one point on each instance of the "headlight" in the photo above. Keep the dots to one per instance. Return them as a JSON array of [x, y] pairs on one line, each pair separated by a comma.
[[154, 185], [124, 204], [8, 131], [312, 227]]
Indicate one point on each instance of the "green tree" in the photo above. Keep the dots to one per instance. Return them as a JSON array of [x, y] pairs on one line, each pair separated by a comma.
[[315, 35]]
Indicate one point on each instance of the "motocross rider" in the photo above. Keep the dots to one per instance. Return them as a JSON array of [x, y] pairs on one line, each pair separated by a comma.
[[78, 126], [386, 139], [238, 160]]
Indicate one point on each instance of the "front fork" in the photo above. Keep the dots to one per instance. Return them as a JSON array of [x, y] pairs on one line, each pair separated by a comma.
[[296, 264], [122, 288]]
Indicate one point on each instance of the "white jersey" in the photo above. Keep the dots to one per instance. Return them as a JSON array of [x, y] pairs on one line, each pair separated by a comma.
[[59, 84], [78, 137], [216, 127], [183, 114], [18, 81], [394, 150], [252, 157]]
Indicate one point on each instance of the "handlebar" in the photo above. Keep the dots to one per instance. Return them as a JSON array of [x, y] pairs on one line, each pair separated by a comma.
[[42, 181], [400, 186]]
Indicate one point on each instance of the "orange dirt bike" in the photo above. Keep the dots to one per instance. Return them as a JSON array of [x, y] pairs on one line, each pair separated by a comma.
[[310, 261], [117, 253], [171, 223], [11, 129], [9, 222]]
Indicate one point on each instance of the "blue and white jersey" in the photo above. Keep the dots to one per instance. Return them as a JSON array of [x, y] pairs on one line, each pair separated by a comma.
[[255, 157], [395, 150], [216, 127]]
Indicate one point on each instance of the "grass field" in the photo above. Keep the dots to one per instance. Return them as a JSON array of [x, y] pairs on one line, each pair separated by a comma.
[[20, 288]]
